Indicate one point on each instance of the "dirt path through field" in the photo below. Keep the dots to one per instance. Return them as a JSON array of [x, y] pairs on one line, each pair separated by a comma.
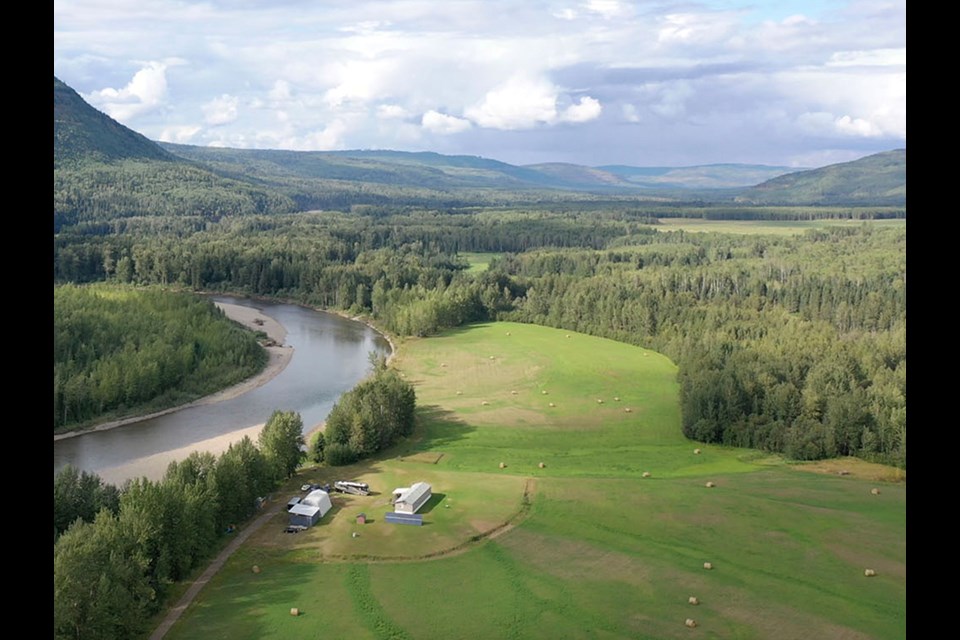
[[174, 614]]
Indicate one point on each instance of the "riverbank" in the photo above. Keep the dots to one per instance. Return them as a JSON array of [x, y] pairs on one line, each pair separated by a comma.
[[278, 358]]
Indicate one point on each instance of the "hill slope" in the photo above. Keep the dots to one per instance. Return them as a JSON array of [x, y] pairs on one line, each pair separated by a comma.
[[103, 170], [80, 132], [877, 179]]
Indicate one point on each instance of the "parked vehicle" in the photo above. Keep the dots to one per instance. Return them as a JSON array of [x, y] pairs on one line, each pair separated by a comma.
[[356, 488]]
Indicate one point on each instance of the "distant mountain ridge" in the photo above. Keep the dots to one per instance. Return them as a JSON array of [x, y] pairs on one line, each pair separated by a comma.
[[102, 168], [877, 179]]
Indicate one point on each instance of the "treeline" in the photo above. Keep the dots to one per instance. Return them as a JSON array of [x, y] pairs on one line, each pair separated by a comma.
[[783, 342], [367, 419], [791, 344], [117, 349], [113, 568]]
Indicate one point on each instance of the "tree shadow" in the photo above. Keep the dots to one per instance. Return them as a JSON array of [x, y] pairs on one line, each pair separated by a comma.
[[436, 427]]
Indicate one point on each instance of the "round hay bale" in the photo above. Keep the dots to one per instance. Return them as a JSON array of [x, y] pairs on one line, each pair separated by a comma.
[[616, 398], [459, 393], [627, 410], [544, 392], [256, 568], [294, 611], [869, 573], [875, 491], [513, 393], [710, 485], [708, 566], [690, 623], [843, 472], [599, 401], [492, 358], [508, 333], [503, 465], [541, 465], [552, 405], [484, 403], [568, 335], [693, 600], [696, 452], [646, 474], [443, 364]]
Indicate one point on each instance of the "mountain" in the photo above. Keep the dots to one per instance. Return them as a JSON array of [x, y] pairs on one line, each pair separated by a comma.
[[879, 179], [80, 132], [707, 176], [103, 170]]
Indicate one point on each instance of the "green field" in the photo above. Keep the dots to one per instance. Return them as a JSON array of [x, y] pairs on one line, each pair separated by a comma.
[[479, 262], [775, 227], [585, 546]]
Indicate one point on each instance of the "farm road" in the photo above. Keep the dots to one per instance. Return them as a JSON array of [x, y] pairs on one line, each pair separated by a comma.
[[174, 614]]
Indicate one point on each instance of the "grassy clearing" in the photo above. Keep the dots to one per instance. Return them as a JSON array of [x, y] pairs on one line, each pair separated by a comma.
[[776, 227], [601, 551], [479, 262]]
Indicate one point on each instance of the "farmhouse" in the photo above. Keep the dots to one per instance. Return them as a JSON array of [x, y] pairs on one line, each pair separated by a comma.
[[410, 499], [311, 509]]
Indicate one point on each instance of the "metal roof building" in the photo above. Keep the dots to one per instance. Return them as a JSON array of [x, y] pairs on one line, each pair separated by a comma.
[[410, 499], [311, 509]]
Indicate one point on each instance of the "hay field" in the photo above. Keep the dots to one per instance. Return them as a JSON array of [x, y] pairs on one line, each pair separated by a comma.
[[597, 550]]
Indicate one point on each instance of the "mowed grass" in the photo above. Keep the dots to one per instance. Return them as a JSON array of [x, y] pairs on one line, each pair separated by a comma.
[[599, 551]]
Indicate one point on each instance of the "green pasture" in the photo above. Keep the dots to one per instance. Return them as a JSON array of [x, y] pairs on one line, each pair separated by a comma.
[[775, 227], [478, 262], [591, 547]]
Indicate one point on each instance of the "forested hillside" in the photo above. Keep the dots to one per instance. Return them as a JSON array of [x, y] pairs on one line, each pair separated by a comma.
[[877, 179]]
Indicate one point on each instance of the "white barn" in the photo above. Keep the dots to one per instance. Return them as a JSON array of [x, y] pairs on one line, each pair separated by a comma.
[[410, 499]]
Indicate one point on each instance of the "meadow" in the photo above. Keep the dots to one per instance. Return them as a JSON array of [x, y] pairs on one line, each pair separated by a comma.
[[567, 504], [774, 227]]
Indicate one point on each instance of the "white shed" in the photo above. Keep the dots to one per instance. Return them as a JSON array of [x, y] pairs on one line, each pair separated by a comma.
[[320, 499], [410, 499]]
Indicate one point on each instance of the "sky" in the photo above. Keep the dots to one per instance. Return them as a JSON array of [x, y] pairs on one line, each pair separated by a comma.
[[799, 83]]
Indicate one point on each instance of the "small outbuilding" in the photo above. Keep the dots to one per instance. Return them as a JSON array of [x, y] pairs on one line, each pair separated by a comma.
[[303, 515], [309, 511], [410, 499], [320, 499]]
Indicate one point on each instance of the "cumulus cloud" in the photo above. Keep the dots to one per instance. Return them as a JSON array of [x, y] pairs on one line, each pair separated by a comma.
[[856, 126], [519, 103], [221, 110], [522, 102], [437, 122], [145, 92], [531, 79], [181, 134], [583, 111]]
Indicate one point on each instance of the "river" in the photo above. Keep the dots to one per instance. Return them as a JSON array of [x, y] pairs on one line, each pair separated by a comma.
[[331, 355]]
